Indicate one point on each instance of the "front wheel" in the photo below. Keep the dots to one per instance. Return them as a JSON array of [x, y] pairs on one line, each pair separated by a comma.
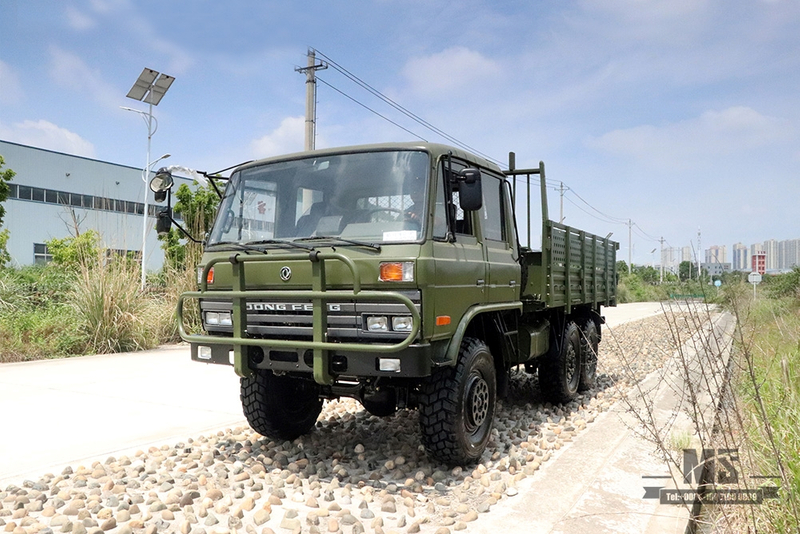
[[457, 406], [279, 407]]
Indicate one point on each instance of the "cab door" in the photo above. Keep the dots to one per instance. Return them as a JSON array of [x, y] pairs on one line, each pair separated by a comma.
[[503, 277], [459, 261]]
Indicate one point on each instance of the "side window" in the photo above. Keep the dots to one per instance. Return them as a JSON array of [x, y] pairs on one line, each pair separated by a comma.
[[461, 220], [440, 212], [492, 211]]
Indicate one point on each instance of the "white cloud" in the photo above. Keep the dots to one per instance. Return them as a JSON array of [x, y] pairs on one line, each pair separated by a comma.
[[711, 135], [78, 20], [454, 70], [286, 138], [44, 134], [69, 70], [10, 88]]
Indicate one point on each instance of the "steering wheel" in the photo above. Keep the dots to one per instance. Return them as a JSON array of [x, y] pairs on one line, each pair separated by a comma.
[[402, 216]]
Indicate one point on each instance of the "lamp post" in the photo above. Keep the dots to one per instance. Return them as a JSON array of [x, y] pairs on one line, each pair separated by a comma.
[[150, 90]]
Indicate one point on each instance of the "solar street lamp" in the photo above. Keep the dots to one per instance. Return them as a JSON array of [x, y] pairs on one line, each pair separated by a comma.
[[150, 88]]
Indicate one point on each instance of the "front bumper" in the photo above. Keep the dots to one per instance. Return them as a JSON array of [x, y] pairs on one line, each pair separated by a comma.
[[412, 361]]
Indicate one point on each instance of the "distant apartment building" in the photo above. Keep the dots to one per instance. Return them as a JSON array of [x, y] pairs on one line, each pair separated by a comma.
[[789, 254], [740, 258], [668, 259], [770, 248], [717, 254], [759, 263]]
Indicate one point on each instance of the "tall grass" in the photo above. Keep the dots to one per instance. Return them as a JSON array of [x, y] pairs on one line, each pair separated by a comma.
[[112, 315], [35, 319], [767, 387], [91, 306]]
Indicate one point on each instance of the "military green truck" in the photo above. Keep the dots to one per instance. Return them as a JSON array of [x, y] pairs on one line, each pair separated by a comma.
[[394, 274]]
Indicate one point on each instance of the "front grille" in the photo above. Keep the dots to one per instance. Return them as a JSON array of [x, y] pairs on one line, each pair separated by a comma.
[[294, 319]]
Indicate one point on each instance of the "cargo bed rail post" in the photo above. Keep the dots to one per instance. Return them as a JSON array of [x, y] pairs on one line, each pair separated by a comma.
[[513, 171], [559, 242], [319, 296]]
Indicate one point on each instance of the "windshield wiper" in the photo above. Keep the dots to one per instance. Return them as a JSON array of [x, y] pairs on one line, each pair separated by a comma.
[[290, 244], [373, 246], [237, 246]]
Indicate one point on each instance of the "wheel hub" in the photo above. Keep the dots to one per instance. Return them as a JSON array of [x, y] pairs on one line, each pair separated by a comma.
[[478, 402], [571, 363]]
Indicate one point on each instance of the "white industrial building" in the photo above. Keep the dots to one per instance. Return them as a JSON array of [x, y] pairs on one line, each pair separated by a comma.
[[53, 194]]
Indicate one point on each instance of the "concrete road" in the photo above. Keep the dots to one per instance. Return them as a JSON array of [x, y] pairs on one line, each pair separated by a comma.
[[634, 311], [77, 410]]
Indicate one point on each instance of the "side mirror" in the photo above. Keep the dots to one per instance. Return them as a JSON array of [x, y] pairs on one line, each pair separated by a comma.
[[161, 184], [164, 221], [470, 193]]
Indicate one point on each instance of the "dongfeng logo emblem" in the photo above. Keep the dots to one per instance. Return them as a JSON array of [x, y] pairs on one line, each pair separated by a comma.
[[286, 274]]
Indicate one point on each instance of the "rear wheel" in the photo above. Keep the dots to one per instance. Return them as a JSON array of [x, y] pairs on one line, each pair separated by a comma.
[[590, 342], [560, 369], [457, 406], [279, 407]]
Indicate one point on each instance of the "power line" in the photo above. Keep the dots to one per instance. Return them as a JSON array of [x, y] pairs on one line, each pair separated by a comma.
[[355, 79], [369, 108], [419, 120], [609, 217], [645, 234]]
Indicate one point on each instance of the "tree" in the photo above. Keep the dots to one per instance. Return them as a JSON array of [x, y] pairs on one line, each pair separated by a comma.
[[72, 252], [647, 273], [5, 177], [197, 207], [685, 270]]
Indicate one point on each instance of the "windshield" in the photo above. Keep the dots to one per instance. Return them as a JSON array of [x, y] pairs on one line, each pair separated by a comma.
[[373, 196]]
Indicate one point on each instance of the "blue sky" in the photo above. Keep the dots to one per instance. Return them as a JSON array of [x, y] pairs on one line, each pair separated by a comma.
[[675, 114]]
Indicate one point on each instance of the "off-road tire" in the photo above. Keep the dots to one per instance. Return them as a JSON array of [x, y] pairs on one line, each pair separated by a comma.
[[457, 405], [279, 407], [590, 343], [560, 369]]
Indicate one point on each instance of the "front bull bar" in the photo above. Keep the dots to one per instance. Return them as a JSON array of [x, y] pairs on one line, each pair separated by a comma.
[[319, 296]]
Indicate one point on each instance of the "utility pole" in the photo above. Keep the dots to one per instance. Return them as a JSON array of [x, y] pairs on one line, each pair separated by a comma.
[[661, 277], [630, 245], [561, 219], [699, 251], [311, 96]]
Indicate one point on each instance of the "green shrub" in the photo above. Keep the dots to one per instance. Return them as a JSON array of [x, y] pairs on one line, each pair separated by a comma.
[[72, 252]]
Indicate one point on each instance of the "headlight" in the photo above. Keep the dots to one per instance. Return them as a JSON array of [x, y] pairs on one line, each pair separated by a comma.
[[377, 324], [397, 271], [402, 324], [219, 319], [209, 278]]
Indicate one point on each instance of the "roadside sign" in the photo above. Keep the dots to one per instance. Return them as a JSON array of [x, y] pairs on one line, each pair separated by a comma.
[[755, 279]]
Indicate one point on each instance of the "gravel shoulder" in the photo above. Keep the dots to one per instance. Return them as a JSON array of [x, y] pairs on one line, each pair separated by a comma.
[[354, 473]]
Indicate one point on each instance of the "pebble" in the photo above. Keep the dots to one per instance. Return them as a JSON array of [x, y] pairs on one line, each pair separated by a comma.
[[238, 482]]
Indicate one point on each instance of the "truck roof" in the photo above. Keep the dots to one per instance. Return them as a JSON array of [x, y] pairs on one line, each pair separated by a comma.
[[435, 149]]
